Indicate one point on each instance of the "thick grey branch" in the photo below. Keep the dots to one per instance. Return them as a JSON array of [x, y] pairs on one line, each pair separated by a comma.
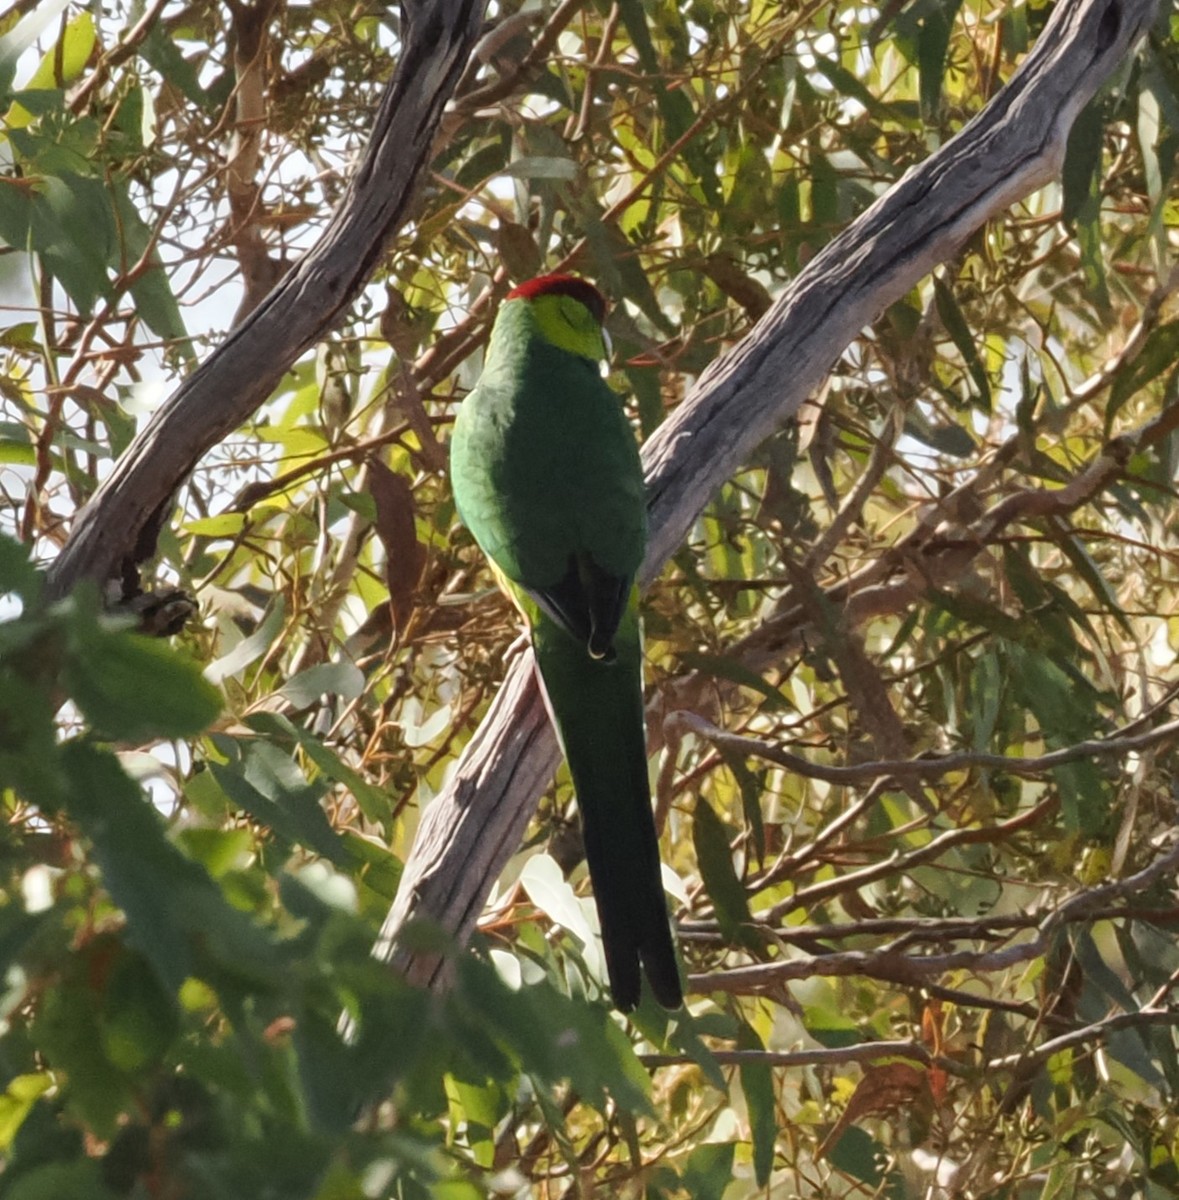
[[1013, 146], [245, 369]]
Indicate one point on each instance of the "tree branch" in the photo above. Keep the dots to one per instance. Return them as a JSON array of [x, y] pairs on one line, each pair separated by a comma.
[[244, 370], [834, 1056], [1013, 146], [914, 970], [928, 766]]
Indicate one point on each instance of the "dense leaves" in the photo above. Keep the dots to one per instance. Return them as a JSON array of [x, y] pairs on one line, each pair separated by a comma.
[[920, 826]]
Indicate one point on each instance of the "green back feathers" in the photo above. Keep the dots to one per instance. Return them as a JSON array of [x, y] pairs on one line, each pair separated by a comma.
[[543, 460]]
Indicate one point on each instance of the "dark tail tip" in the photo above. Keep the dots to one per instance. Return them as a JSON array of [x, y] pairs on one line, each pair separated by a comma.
[[664, 978], [657, 956], [622, 968]]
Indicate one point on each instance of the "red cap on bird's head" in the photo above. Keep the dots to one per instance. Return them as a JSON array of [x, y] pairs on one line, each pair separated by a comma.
[[562, 285]]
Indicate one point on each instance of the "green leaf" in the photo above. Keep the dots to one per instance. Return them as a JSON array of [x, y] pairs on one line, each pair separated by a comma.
[[161, 52], [176, 915], [556, 1038], [373, 801], [549, 890], [757, 1084], [63, 204], [674, 106], [360, 502], [18, 576], [1081, 173], [78, 1180], [709, 1170], [477, 1107], [16, 211], [66, 61], [1062, 711], [933, 44], [378, 873], [824, 183], [17, 1101], [16, 41], [151, 289], [138, 1018], [1131, 1047], [217, 850], [685, 1033], [225, 525], [1082, 186], [1093, 260], [985, 694], [946, 439], [131, 687], [644, 384], [710, 836], [1076, 552], [270, 787], [29, 758], [343, 679], [68, 1034], [958, 329], [850, 87], [829, 1026], [1066, 714], [731, 669], [340, 1183], [21, 454], [615, 265], [249, 649], [34, 102], [752, 786], [860, 1156], [539, 166], [1159, 353]]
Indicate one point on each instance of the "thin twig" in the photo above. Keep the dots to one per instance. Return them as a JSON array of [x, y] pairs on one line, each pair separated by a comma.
[[926, 767], [914, 969], [827, 1057]]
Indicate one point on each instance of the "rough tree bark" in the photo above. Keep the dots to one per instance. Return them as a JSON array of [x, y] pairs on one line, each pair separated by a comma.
[[241, 374], [1013, 146]]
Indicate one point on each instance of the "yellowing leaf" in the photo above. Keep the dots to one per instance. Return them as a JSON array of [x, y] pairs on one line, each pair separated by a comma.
[[16, 1102], [58, 69], [223, 526]]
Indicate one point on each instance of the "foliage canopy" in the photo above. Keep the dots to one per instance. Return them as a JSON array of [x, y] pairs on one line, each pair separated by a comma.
[[953, 974]]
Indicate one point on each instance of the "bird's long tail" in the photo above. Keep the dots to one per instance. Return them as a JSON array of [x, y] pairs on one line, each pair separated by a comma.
[[597, 707]]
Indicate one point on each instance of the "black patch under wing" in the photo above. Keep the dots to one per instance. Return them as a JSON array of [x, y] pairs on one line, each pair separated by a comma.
[[587, 602]]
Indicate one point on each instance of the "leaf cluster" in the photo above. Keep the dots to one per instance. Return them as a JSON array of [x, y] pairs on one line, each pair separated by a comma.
[[966, 551]]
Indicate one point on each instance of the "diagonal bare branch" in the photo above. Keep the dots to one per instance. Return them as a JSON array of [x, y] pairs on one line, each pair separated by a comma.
[[1013, 146], [244, 370]]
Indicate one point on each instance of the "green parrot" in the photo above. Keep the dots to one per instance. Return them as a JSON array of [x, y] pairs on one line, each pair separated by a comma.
[[547, 478]]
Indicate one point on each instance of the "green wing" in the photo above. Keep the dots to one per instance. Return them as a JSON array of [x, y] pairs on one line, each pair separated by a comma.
[[547, 477]]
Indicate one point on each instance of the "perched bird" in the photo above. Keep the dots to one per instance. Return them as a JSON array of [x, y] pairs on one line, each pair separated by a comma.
[[547, 478]]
